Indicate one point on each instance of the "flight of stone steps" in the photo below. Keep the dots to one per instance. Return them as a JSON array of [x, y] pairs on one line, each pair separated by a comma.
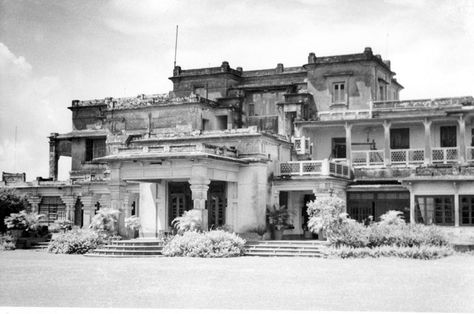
[[43, 245], [129, 248], [286, 248]]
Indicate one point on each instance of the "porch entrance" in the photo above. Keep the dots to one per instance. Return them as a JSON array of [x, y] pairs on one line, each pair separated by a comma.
[[180, 200]]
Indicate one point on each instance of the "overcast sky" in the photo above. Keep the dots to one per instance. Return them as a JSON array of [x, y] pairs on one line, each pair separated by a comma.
[[54, 51]]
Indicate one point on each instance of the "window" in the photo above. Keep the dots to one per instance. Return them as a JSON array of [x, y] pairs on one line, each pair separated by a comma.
[[448, 136], [339, 147], [435, 209], [400, 138], [251, 110], [95, 148], [200, 91], [96, 208], [221, 122], [339, 92], [205, 125], [52, 208], [466, 203], [382, 91]]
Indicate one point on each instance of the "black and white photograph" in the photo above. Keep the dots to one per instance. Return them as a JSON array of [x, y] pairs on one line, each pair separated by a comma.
[[194, 156]]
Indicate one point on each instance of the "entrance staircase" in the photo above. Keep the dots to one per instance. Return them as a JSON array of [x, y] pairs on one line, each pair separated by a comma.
[[129, 248], [40, 246], [286, 248]]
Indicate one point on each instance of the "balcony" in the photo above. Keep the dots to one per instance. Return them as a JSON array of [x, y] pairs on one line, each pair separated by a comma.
[[407, 157], [313, 168], [368, 158], [445, 155]]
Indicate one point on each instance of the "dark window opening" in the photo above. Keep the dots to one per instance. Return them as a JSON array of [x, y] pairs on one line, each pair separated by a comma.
[[400, 138], [466, 203], [205, 125], [251, 110], [221, 122], [95, 148], [448, 136], [338, 147], [97, 208]]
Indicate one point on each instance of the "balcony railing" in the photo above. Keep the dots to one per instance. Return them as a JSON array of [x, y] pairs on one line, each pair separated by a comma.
[[312, 168], [368, 158], [470, 153], [407, 157], [445, 155], [344, 115]]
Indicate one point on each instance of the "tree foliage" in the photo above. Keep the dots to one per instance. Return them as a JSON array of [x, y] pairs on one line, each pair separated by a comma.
[[10, 203]]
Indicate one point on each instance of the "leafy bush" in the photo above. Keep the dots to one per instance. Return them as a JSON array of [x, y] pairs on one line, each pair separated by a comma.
[[10, 203], [132, 223], [23, 220], [392, 217], [64, 225], [75, 242], [324, 213], [105, 221], [7, 243], [348, 232], [415, 252], [216, 243], [190, 221]]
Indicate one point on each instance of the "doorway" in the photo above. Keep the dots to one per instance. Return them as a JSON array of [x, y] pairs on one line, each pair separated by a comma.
[[180, 200]]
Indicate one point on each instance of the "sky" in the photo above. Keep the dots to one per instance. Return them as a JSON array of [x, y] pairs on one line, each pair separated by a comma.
[[52, 52]]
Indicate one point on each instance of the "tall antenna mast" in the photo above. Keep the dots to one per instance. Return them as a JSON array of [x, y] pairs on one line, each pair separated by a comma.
[[175, 47]]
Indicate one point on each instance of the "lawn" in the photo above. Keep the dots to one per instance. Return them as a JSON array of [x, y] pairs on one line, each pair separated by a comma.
[[30, 278]]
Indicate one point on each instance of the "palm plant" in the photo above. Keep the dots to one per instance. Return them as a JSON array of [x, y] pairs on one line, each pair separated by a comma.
[[190, 221], [105, 220]]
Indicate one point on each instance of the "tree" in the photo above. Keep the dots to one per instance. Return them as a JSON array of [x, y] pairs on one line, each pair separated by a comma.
[[10, 203]]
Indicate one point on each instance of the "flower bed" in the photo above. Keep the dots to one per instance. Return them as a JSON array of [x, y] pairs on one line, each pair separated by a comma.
[[75, 242]]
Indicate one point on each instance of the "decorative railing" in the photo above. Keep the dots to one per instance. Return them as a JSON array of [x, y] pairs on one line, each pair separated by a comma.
[[344, 115], [368, 158], [185, 148], [264, 123], [470, 153], [421, 103], [312, 168], [445, 154], [412, 156]]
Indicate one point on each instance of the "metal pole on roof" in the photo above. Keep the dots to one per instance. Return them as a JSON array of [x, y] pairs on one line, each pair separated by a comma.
[[175, 47]]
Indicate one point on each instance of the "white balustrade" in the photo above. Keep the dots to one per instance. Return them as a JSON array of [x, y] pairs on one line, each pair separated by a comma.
[[445, 154], [368, 158], [312, 167], [412, 156]]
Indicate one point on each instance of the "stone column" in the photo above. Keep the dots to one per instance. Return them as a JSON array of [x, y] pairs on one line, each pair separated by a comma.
[[412, 203], [462, 139], [386, 129], [88, 202], [34, 202], [148, 211], [53, 157], [199, 187], [456, 204], [348, 128], [69, 201], [428, 152]]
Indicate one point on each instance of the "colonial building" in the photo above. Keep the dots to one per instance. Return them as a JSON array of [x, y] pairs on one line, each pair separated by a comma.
[[231, 142]]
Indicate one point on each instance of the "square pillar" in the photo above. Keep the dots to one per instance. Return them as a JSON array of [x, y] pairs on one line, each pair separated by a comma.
[[456, 205], [53, 157], [462, 139], [428, 152], [88, 202], [148, 211], [69, 201], [348, 128], [34, 202], [412, 203], [199, 188], [386, 129]]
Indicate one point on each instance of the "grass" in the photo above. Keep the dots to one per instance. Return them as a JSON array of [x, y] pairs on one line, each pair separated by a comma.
[[30, 278]]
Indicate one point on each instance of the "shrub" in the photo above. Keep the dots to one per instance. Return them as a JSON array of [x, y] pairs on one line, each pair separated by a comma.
[[64, 225], [392, 217], [415, 252], [190, 221], [132, 223], [75, 242], [23, 220], [10, 203], [348, 232], [215, 243], [105, 221], [324, 213], [7, 243]]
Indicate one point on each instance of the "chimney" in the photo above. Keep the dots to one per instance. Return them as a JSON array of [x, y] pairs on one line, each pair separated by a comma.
[[225, 66], [279, 68], [368, 51], [177, 70], [312, 57]]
